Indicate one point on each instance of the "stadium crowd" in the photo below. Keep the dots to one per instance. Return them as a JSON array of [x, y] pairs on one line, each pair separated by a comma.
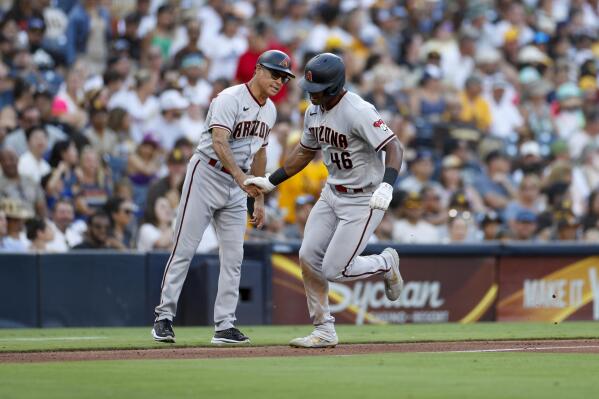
[[102, 104]]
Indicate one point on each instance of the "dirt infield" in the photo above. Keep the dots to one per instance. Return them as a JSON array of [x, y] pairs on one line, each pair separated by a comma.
[[546, 346]]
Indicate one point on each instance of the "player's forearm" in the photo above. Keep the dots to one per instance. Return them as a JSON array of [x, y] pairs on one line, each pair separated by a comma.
[[295, 162], [393, 154], [225, 155], [393, 159], [259, 163]]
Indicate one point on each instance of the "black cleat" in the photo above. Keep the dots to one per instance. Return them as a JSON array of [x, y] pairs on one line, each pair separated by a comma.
[[163, 331], [229, 336]]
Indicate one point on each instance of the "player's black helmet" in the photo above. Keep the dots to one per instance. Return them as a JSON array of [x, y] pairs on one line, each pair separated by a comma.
[[324, 72], [276, 60]]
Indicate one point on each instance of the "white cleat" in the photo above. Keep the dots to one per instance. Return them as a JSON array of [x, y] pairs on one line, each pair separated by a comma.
[[393, 280], [314, 340]]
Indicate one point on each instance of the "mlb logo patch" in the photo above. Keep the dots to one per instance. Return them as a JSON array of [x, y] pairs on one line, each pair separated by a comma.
[[309, 76], [380, 124]]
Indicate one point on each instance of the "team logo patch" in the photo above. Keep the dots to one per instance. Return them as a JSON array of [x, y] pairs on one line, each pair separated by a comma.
[[284, 63], [380, 124], [309, 76]]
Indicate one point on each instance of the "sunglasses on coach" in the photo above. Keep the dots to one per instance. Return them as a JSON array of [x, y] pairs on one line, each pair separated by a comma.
[[276, 75]]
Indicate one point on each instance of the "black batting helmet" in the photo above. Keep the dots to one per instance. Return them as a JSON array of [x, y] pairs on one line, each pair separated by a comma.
[[276, 60], [324, 72]]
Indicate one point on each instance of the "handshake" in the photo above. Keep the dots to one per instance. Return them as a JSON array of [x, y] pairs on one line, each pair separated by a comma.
[[256, 186]]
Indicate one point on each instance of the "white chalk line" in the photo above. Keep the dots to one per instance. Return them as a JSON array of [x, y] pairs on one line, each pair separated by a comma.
[[527, 348], [37, 339]]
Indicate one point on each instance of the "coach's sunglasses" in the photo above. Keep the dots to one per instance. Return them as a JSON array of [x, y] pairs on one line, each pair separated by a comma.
[[276, 75]]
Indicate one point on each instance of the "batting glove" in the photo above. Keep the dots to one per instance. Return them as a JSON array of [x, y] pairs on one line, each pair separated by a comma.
[[381, 198], [261, 182]]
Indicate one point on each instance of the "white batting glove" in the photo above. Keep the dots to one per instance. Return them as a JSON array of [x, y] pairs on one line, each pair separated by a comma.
[[261, 182], [381, 198]]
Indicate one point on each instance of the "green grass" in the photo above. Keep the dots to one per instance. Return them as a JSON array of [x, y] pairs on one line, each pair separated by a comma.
[[409, 375], [12, 340]]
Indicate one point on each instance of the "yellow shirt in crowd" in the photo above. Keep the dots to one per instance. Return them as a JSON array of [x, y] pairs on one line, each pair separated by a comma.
[[476, 111], [309, 181]]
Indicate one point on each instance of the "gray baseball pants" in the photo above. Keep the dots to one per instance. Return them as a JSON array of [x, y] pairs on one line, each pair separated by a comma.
[[208, 194], [336, 233]]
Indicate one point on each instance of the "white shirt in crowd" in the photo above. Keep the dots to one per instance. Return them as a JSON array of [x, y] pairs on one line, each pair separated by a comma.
[[143, 115], [62, 242], [505, 117], [149, 234], [31, 167], [419, 233], [224, 53]]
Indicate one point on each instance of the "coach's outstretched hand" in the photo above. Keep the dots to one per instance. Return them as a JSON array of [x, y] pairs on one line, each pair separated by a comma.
[[381, 198], [261, 182]]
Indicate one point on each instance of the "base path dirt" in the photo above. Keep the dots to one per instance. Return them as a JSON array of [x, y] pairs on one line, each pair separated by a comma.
[[546, 346]]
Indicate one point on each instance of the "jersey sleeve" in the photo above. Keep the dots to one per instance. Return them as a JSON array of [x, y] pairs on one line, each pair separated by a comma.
[[308, 139], [369, 125], [223, 112]]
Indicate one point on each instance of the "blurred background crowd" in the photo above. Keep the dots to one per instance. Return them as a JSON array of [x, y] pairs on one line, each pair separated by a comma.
[[102, 103]]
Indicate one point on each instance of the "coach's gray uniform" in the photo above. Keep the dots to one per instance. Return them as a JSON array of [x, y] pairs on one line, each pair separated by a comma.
[[351, 134], [210, 193]]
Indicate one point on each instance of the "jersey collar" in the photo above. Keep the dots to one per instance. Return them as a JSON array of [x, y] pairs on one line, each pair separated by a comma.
[[255, 99], [335, 103]]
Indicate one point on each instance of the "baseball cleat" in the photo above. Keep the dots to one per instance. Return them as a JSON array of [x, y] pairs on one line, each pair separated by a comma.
[[163, 331], [393, 280], [230, 336], [314, 340]]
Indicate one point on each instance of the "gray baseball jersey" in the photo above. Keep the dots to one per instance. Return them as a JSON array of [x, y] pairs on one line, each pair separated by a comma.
[[210, 194], [236, 110], [351, 134]]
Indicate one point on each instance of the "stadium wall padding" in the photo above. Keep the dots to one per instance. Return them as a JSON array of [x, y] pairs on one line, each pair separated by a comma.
[[545, 282]]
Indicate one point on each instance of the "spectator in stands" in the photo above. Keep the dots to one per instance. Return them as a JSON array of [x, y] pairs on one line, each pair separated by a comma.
[[32, 163], [457, 228], [567, 228], [589, 135], [435, 210], [39, 234], [16, 214], [101, 138], [94, 184], [494, 184], [96, 236], [590, 222], [16, 139], [168, 186], [506, 121], [167, 128], [191, 47], [452, 181], [491, 226], [88, 32], [67, 105], [157, 232], [20, 188], [528, 198], [421, 172], [412, 228], [64, 158], [524, 226], [3, 230], [142, 168], [303, 206], [66, 231], [162, 36], [226, 49], [121, 213], [428, 102], [196, 88], [475, 109]]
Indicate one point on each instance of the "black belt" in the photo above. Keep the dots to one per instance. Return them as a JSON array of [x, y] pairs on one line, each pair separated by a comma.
[[214, 163], [343, 189]]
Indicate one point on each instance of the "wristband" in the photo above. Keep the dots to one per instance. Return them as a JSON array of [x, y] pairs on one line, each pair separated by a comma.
[[390, 176], [278, 177]]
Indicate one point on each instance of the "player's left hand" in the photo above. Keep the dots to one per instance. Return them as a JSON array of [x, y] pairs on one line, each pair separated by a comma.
[[258, 215], [381, 198]]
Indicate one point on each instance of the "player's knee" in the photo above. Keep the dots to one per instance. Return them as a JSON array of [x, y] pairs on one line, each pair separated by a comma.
[[331, 273], [306, 256]]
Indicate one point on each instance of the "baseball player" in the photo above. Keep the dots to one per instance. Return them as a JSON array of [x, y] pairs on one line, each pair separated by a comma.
[[234, 143], [351, 134]]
